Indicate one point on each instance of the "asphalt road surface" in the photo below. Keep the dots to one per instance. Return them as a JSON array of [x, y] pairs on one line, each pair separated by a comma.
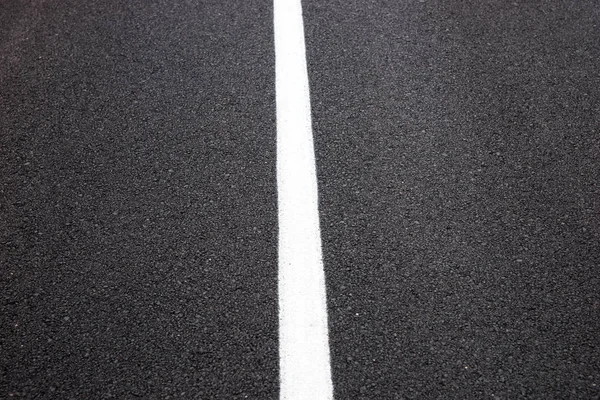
[[457, 151]]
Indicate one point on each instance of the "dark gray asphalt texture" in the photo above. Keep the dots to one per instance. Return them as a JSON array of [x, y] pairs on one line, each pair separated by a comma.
[[458, 152], [138, 200]]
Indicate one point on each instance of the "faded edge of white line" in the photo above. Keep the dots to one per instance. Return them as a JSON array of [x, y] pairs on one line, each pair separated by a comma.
[[304, 365]]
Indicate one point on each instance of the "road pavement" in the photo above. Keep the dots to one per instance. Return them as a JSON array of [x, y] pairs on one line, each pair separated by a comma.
[[457, 151], [139, 205]]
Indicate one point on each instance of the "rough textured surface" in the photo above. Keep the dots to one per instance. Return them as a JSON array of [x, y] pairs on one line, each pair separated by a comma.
[[458, 153], [137, 200], [458, 150]]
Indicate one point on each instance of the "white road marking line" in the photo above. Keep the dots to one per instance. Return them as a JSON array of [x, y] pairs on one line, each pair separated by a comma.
[[305, 371]]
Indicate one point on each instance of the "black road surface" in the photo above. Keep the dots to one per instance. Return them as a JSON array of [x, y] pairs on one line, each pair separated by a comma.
[[458, 154], [458, 148], [139, 207]]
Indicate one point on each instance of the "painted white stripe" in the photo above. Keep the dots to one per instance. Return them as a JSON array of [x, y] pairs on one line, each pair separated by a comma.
[[305, 372]]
